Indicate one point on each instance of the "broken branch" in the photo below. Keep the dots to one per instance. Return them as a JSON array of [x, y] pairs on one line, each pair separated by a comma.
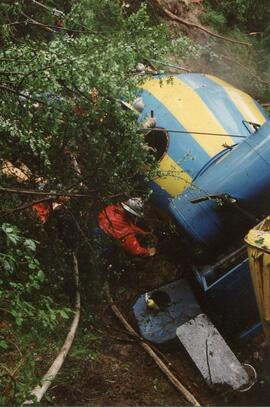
[[35, 192], [189, 24], [47, 379], [28, 205], [35, 22], [177, 384]]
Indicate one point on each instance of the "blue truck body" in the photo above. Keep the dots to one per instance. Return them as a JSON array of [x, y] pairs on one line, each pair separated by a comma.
[[214, 184]]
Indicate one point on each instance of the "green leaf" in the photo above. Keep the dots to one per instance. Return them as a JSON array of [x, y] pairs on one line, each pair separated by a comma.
[[18, 320], [41, 276], [30, 244], [3, 344], [63, 314], [13, 238]]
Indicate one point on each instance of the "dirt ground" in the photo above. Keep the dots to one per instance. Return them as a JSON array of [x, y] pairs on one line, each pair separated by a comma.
[[117, 371]]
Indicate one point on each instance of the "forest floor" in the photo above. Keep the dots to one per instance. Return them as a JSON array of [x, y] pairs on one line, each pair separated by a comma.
[[110, 368]]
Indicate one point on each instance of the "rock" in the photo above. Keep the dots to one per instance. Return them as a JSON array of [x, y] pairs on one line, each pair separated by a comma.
[[211, 354]]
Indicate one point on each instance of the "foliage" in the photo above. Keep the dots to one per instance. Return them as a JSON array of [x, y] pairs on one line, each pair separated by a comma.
[[62, 99], [21, 281], [23, 305], [214, 18], [248, 21], [183, 47], [50, 112], [248, 14], [62, 83]]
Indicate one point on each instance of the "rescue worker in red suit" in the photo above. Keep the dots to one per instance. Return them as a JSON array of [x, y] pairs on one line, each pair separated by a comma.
[[55, 215], [115, 220]]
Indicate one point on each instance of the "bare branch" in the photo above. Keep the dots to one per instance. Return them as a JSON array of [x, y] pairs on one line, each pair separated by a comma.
[[16, 23], [51, 193], [189, 24], [28, 205], [35, 22]]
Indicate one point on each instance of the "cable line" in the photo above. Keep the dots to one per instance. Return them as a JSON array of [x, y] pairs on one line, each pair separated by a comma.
[[197, 132]]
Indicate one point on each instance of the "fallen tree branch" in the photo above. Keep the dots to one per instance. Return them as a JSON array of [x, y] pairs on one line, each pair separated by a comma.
[[55, 28], [49, 196], [174, 17], [35, 22], [177, 384], [13, 60], [47, 379], [54, 11], [134, 339], [46, 193], [15, 23], [28, 205]]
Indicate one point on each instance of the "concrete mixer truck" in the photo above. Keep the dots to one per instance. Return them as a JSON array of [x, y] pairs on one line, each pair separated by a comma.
[[212, 143]]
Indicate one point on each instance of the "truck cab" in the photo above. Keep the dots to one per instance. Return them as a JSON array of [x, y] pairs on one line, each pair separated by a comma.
[[227, 295]]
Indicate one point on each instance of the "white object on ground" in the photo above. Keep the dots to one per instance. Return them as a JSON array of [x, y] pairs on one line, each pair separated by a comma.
[[47, 379], [211, 354]]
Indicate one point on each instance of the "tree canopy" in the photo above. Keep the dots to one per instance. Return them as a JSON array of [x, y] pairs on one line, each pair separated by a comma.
[[64, 76], [62, 98]]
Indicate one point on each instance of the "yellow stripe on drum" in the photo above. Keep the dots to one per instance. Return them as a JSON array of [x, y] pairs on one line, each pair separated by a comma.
[[244, 103], [190, 110], [174, 180]]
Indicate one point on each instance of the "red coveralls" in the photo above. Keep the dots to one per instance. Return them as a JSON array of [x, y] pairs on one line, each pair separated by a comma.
[[113, 220], [42, 210]]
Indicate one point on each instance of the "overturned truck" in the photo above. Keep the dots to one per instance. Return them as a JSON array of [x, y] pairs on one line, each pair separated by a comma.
[[212, 142]]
